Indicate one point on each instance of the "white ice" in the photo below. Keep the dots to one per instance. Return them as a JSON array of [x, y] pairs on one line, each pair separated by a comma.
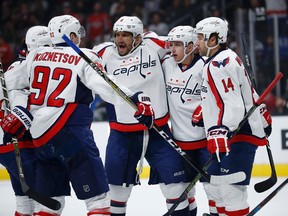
[[147, 200]]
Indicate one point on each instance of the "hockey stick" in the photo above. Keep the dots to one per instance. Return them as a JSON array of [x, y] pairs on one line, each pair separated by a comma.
[[44, 200], [257, 103], [184, 194], [267, 199], [268, 183], [213, 179], [245, 118]]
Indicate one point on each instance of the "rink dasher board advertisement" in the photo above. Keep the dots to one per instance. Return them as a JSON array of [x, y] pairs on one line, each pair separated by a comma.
[[278, 143]]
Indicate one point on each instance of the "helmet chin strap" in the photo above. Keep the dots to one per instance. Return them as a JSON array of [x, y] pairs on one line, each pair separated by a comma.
[[185, 55], [79, 41], [209, 48], [133, 45]]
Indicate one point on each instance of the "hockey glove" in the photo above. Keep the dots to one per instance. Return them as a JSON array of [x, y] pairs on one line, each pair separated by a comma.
[[217, 138], [17, 122], [266, 119], [197, 118], [145, 113]]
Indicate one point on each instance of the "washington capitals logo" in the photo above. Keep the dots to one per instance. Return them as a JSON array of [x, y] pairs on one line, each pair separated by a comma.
[[223, 63], [43, 33]]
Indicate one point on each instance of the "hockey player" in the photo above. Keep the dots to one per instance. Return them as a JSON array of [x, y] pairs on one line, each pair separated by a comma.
[[36, 36], [135, 62], [226, 96], [183, 75], [62, 86]]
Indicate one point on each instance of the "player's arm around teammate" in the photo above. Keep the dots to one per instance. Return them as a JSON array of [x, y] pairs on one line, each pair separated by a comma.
[[134, 59], [226, 96], [62, 87]]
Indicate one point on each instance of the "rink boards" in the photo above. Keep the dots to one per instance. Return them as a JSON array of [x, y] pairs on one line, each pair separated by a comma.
[[278, 142]]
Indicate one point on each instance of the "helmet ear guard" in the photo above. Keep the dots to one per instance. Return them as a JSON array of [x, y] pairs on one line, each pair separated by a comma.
[[211, 25]]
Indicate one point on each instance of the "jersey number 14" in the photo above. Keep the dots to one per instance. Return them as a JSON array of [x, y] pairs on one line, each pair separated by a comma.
[[227, 84]]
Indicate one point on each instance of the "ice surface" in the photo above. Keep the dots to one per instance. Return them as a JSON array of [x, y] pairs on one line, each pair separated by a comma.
[[147, 200]]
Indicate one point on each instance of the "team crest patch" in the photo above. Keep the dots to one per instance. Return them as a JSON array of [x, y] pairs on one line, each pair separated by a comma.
[[223, 63]]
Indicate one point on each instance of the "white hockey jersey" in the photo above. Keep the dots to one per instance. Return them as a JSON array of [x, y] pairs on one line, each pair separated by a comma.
[[183, 93], [227, 95], [19, 97], [59, 80], [2, 113], [139, 70]]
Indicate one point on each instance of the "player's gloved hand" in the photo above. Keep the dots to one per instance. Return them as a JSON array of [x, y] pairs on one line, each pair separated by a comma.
[[17, 122], [145, 113], [197, 118], [217, 138], [266, 119]]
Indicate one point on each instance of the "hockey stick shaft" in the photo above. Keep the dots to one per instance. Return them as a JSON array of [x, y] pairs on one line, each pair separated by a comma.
[[252, 109], [165, 136], [248, 62], [257, 103], [268, 198], [265, 185], [183, 196], [44, 200]]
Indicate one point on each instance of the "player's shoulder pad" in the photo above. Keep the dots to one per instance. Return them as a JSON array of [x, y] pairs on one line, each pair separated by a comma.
[[16, 66], [150, 34], [235, 59], [91, 52], [223, 59], [153, 36], [13, 65], [100, 48]]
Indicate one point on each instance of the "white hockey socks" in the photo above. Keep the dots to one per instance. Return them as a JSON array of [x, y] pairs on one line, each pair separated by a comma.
[[98, 205], [24, 205]]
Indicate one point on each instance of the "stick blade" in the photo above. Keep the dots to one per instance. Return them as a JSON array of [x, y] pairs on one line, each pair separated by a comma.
[[42, 199], [228, 179], [265, 185], [46, 201]]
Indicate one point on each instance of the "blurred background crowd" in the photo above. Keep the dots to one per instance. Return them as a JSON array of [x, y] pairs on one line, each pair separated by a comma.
[[265, 20]]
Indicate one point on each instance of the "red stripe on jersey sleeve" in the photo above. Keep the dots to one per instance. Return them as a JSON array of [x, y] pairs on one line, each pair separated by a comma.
[[216, 94], [101, 52], [159, 42]]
